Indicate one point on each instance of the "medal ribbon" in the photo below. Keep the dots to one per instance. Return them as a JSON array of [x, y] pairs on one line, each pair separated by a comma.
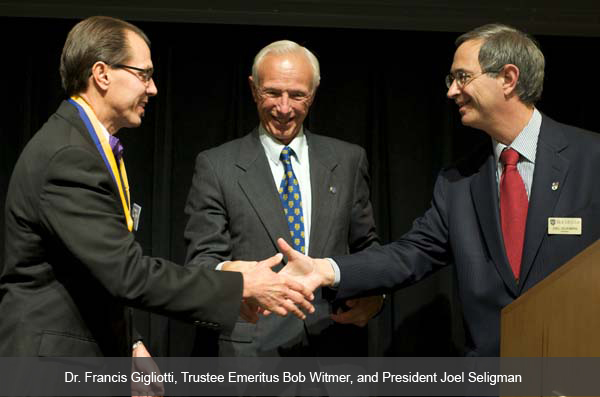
[[95, 130]]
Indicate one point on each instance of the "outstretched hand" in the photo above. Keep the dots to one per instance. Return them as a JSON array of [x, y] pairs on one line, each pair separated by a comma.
[[275, 292], [312, 273]]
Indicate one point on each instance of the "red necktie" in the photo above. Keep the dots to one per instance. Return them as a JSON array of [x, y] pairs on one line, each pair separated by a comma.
[[513, 209]]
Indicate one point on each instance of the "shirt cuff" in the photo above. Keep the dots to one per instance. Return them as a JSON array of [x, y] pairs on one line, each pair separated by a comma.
[[220, 265], [336, 272]]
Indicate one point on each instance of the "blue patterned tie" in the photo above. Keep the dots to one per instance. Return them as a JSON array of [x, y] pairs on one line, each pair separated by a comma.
[[289, 193]]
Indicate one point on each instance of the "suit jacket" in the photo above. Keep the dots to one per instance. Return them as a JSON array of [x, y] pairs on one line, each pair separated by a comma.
[[71, 264], [235, 213], [462, 228]]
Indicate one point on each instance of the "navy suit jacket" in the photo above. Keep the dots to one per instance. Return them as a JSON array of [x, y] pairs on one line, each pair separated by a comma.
[[462, 228]]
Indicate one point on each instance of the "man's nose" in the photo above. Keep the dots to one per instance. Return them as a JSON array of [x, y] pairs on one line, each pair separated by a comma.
[[283, 104], [453, 91], [151, 90]]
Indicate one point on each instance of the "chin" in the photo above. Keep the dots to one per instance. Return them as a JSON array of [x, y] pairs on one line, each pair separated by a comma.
[[135, 123]]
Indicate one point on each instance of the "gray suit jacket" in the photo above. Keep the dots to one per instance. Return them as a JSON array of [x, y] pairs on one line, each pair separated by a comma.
[[235, 213]]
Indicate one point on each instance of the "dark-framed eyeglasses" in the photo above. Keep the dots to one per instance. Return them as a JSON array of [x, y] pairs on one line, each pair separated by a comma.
[[463, 78], [144, 74]]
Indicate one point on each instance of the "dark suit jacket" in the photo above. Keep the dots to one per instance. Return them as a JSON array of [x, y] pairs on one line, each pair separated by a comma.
[[235, 213], [71, 264], [462, 228]]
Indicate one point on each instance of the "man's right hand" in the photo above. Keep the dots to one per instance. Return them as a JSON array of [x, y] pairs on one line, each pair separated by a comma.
[[311, 272], [275, 292]]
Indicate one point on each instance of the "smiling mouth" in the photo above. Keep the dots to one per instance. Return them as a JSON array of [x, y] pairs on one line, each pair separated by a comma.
[[461, 105], [283, 123]]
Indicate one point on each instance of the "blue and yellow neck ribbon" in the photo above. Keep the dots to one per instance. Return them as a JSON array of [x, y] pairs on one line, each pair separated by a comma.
[[95, 130]]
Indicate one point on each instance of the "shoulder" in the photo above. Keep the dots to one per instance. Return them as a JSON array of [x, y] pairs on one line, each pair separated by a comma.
[[62, 133], [340, 149], [469, 165], [227, 150], [576, 138]]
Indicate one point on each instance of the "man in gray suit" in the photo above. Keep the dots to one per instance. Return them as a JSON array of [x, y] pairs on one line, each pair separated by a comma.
[[71, 262], [282, 180]]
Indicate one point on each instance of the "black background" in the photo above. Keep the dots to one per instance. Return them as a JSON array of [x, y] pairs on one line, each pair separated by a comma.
[[380, 88]]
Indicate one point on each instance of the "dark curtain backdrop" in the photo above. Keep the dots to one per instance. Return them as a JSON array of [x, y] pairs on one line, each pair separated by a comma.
[[381, 89]]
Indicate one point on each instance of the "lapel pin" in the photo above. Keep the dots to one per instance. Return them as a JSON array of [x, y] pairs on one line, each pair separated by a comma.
[[332, 189], [555, 185]]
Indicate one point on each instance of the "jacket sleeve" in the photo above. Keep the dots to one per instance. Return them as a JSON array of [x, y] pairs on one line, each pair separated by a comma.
[[420, 251], [81, 211], [207, 234], [362, 232]]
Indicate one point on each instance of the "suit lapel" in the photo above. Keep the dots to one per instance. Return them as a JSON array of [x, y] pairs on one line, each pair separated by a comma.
[[258, 186], [323, 189], [484, 191], [550, 167], [70, 113]]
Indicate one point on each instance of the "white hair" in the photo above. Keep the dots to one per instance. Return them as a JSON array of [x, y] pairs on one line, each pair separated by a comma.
[[287, 47]]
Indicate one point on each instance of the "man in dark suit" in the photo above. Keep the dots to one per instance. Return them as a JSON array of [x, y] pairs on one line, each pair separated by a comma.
[[495, 216], [71, 260], [235, 192]]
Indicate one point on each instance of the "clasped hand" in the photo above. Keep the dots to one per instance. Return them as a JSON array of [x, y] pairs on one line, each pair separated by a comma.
[[288, 291], [268, 291]]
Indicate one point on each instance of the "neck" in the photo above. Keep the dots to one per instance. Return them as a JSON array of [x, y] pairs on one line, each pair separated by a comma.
[[101, 110], [508, 124]]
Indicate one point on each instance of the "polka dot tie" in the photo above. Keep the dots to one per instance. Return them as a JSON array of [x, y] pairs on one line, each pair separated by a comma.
[[289, 193]]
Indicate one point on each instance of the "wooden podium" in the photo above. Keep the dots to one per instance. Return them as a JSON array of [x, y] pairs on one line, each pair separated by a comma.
[[560, 316]]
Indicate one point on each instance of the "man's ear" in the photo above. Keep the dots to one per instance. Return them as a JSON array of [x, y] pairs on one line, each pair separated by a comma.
[[313, 95], [253, 89], [100, 75], [510, 76]]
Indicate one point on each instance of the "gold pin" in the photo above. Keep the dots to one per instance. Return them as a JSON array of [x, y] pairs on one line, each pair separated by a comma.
[[555, 185]]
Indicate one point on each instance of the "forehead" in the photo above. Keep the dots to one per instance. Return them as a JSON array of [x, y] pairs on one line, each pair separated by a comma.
[[139, 53], [466, 57], [291, 68]]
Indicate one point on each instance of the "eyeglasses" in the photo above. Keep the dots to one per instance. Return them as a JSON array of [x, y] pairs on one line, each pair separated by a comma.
[[294, 96], [144, 74], [463, 78]]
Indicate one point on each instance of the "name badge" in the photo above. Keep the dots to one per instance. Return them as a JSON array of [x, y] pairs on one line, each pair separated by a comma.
[[135, 215], [564, 226]]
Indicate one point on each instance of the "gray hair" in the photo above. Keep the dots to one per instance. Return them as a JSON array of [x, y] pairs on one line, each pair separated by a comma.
[[503, 45], [287, 47], [91, 40]]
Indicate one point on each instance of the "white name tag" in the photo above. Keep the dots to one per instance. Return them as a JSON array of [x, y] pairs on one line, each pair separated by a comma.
[[564, 226], [135, 215]]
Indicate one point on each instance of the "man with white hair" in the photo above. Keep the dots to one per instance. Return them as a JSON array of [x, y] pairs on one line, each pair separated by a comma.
[[72, 264], [282, 180]]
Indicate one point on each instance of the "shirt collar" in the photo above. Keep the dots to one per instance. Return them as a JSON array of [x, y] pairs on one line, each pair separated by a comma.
[[526, 142], [104, 131], [273, 147]]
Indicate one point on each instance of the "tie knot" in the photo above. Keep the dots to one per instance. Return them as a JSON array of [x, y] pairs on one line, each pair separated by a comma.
[[509, 157], [116, 147], [286, 152]]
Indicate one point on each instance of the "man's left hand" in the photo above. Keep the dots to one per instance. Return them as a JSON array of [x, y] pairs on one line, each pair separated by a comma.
[[143, 362], [361, 310]]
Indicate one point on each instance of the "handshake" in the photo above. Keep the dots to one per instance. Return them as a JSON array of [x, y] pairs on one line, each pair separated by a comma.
[[289, 291]]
